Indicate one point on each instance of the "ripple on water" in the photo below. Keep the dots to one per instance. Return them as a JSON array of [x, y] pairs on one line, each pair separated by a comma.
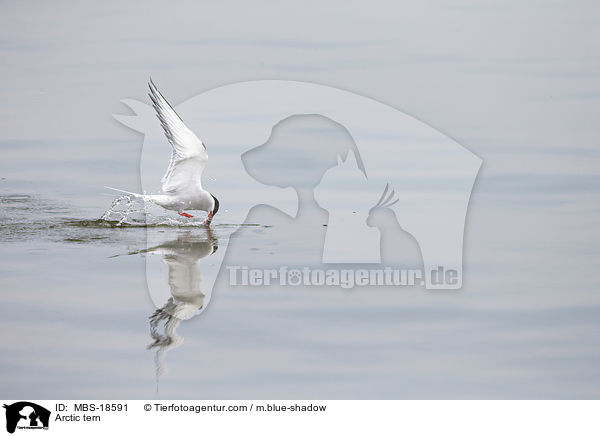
[[14, 198], [29, 217]]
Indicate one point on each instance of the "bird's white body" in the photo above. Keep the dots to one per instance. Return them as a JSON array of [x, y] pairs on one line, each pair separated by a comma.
[[191, 199], [182, 183]]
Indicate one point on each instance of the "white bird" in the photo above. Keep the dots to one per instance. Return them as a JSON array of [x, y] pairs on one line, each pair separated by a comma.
[[182, 257], [182, 183]]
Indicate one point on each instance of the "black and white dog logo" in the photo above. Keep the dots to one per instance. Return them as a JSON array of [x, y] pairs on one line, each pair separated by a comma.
[[26, 415]]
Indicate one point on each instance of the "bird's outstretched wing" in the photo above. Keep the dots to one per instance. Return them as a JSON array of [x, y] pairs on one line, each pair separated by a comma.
[[189, 155]]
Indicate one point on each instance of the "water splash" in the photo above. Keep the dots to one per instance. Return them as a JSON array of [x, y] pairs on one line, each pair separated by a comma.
[[129, 211], [122, 210]]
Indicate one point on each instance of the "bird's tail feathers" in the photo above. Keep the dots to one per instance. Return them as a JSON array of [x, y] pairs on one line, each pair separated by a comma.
[[126, 192]]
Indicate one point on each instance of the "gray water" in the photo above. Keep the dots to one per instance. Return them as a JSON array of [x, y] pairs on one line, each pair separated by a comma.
[[75, 309]]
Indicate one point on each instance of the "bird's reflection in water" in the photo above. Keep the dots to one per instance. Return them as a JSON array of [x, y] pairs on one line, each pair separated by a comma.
[[182, 257]]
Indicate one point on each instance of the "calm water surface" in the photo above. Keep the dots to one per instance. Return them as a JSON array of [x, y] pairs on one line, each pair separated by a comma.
[[82, 324]]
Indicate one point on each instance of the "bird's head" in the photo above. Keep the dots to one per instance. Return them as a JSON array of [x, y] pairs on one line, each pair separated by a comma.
[[382, 211], [215, 205], [213, 211]]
